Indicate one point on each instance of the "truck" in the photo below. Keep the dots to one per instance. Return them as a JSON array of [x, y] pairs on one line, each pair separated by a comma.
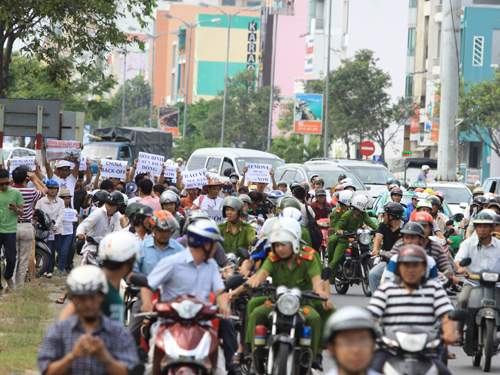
[[407, 169], [117, 143]]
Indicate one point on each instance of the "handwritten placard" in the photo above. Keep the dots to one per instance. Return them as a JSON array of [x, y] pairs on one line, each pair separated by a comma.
[[216, 215], [258, 173], [114, 168], [70, 215], [63, 150], [195, 179], [27, 160], [150, 163]]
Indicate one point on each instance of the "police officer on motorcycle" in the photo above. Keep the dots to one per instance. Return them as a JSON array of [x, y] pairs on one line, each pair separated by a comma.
[[236, 233]]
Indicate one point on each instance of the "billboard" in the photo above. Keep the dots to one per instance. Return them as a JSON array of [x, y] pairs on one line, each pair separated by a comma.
[[168, 120], [308, 113]]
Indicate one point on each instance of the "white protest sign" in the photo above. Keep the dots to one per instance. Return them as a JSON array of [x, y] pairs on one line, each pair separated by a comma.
[[63, 150], [27, 160], [214, 176], [83, 163], [258, 173], [195, 179], [170, 172], [216, 215], [150, 163], [70, 215], [114, 168]]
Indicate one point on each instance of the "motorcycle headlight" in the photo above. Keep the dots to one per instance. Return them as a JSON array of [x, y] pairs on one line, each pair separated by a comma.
[[488, 276], [187, 309], [365, 239], [288, 304], [282, 289], [412, 342]]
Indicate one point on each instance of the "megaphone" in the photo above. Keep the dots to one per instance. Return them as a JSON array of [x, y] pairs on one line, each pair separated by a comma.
[[131, 187]]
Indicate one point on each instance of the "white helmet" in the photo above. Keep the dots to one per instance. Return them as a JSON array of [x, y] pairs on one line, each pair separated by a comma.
[[291, 212], [125, 199], [422, 196], [87, 279], [286, 230], [345, 197], [119, 247], [347, 181], [393, 186], [168, 196], [63, 163], [360, 202], [425, 167], [424, 203]]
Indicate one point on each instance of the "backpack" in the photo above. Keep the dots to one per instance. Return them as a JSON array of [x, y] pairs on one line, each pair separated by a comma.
[[314, 231]]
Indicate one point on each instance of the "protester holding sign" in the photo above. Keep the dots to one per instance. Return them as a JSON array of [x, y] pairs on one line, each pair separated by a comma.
[[150, 163], [63, 245], [262, 181], [211, 201], [114, 180], [17, 162]]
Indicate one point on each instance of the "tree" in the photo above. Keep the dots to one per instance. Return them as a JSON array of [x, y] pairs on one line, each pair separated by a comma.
[[479, 106], [293, 150], [66, 36]]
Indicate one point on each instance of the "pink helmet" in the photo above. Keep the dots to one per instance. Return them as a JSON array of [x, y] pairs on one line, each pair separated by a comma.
[[439, 194]]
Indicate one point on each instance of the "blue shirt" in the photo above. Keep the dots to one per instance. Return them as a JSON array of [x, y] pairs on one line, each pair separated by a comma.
[[178, 275], [151, 254], [409, 209], [421, 177]]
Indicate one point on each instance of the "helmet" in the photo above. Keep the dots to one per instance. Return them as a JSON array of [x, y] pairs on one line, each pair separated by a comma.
[[293, 182], [339, 187], [415, 196], [342, 176], [425, 167], [200, 232], [132, 209], [397, 190], [87, 279], [474, 192], [292, 212], [320, 192], [484, 218], [227, 187], [280, 183], [392, 187], [390, 180], [346, 181], [412, 253], [434, 200], [424, 203], [174, 189], [119, 247], [234, 173], [195, 215], [319, 180], [478, 201], [274, 197], [424, 218], [146, 210], [418, 190], [348, 318], [394, 209], [100, 197], [169, 196], [245, 198], [163, 220], [52, 183], [439, 194], [490, 200], [496, 218], [234, 203], [313, 176], [360, 202], [412, 227], [345, 197], [429, 191], [477, 183], [115, 199], [289, 202], [294, 185], [423, 196], [350, 184], [286, 230]]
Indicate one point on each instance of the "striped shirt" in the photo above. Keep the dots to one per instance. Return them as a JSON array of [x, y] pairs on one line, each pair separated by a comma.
[[396, 307], [31, 196], [432, 249]]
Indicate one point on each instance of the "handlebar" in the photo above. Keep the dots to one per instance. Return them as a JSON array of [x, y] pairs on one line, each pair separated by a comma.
[[267, 286]]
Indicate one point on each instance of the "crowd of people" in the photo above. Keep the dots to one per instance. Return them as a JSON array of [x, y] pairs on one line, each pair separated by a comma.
[[155, 227]]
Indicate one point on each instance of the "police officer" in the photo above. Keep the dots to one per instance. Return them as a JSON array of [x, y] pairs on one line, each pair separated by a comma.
[[236, 233]]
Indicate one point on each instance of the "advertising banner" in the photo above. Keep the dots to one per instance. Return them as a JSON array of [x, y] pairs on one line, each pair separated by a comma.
[[168, 120], [308, 112]]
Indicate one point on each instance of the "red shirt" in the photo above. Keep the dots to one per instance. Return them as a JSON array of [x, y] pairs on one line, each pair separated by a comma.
[[321, 213], [31, 196]]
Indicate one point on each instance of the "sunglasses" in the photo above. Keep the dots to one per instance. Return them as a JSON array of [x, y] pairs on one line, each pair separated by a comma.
[[4, 183]]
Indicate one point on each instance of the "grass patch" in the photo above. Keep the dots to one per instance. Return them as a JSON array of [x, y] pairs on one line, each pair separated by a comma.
[[25, 317]]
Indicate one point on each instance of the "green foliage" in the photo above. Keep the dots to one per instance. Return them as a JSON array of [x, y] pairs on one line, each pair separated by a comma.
[[66, 36], [293, 150]]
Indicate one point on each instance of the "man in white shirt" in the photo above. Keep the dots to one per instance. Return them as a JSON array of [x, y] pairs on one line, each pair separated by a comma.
[[212, 200], [66, 177]]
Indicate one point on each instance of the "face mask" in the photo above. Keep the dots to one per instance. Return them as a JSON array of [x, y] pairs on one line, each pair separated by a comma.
[[234, 180]]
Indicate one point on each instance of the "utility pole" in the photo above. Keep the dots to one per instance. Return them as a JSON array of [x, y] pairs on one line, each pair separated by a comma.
[[124, 82], [327, 99], [271, 100], [450, 81]]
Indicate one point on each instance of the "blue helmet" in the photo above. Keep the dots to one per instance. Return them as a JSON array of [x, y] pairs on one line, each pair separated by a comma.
[[390, 180], [293, 182], [52, 183], [274, 196], [202, 231]]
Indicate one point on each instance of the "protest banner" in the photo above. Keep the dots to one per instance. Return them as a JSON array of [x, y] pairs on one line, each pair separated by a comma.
[[63, 150], [26, 160], [114, 168], [70, 215], [258, 173], [195, 179], [216, 215], [150, 163]]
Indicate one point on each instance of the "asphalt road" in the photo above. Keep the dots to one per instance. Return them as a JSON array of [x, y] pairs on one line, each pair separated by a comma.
[[462, 365]]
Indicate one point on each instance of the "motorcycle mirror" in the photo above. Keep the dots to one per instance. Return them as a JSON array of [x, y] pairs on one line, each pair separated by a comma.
[[242, 253], [465, 262], [371, 213], [451, 231], [326, 273], [449, 222], [458, 315], [234, 281], [139, 280]]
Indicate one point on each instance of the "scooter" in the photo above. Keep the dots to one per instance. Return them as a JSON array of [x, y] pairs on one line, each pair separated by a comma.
[[89, 256], [324, 224], [483, 318], [43, 227], [186, 343]]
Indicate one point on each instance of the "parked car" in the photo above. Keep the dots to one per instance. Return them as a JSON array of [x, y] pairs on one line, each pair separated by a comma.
[[17, 152], [456, 194], [373, 175], [492, 185]]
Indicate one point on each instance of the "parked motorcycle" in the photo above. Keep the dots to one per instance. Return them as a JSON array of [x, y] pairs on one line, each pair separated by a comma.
[[324, 224], [483, 318], [355, 265], [43, 227], [284, 349]]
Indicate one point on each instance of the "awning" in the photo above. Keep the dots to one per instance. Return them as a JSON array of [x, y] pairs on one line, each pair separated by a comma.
[[421, 148]]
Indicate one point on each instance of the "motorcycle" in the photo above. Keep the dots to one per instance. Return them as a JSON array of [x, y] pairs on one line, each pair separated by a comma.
[[43, 227], [483, 318], [412, 348], [324, 225], [131, 295], [186, 342], [284, 349], [89, 256], [355, 265]]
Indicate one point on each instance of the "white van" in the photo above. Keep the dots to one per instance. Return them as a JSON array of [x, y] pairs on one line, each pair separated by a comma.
[[223, 160]]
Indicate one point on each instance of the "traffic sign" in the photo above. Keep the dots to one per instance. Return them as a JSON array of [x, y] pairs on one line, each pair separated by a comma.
[[367, 148], [406, 154]]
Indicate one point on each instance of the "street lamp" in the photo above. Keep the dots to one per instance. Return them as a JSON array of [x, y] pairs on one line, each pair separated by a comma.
[[229, 17], [153, 42], [191, 26]]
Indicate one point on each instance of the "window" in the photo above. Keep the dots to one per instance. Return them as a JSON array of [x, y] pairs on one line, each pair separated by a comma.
[[251, 4], [196, 162], [288, 176], [124, 153], [409, 86], [495, 48], [213, 165], [438, 54], [477, 56], [411, 41], [229, 3], [475, 155], [413, 3], [227, 164]]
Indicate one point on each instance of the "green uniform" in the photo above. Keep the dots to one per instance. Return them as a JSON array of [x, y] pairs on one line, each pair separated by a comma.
[[350, 221], [306, 236], [241, 238], [305, 267], [332, 243]]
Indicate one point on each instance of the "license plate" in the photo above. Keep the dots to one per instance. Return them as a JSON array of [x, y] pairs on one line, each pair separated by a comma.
[[488, 302]]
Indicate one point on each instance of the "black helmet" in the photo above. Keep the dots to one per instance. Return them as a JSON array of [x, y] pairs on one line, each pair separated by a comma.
[[478, 201], [132, 209], [394, 209], [342, 176], [145, 210], [434, 200], [115, 199], [319, 180], [397, 191], [294, 185], [100, 197], [320, 191], [490, 200], [412, 227]]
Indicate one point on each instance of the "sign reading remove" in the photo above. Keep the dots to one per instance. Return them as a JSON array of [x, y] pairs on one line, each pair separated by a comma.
[[258, 173]]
